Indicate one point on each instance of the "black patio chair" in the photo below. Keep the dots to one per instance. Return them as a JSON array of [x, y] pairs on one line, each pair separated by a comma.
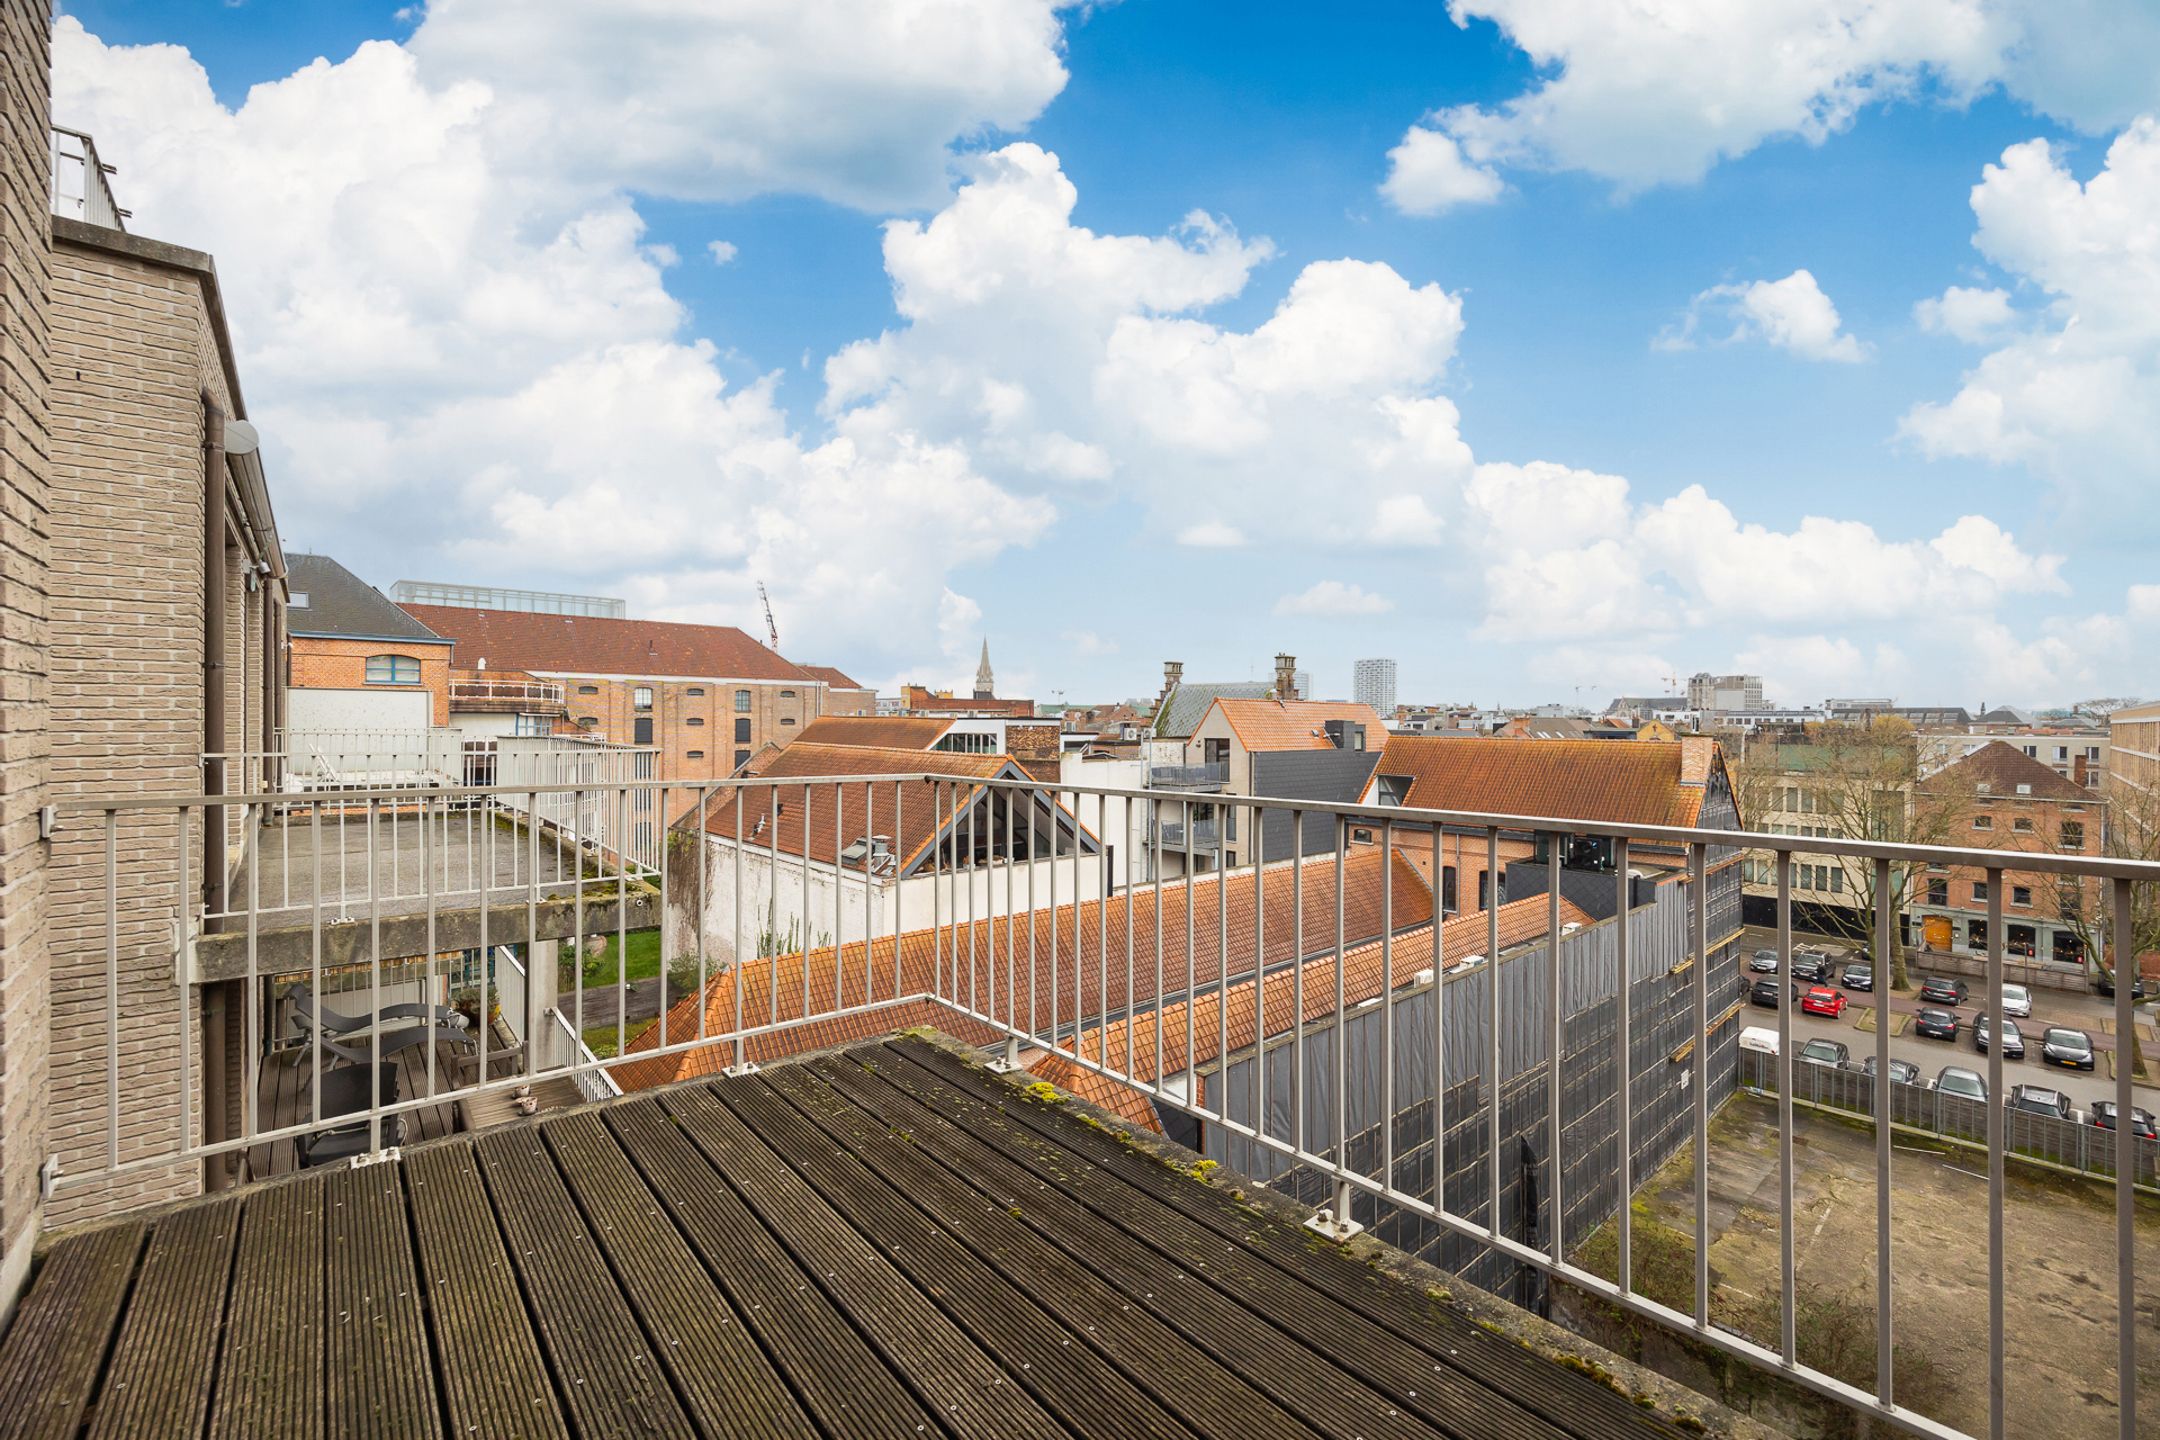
[[311, 1016], [345, 1092]]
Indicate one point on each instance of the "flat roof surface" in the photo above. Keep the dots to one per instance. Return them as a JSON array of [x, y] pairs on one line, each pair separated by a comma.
[[884, 1241]]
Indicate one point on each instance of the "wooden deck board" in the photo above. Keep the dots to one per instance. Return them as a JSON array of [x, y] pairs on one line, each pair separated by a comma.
[[49, 1369], [270, 1376], [724, 1379], [1574, 1402], [158, 1384], [607, 1377], [494, 1380], [373, 1306], [889, 1243]]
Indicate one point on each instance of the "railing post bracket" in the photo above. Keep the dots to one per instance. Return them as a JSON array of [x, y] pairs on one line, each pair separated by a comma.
[[1334, 1220], [748, 1067], [1008, 1059]]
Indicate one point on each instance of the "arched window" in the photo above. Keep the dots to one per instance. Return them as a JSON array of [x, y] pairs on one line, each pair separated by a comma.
[[393, 670]]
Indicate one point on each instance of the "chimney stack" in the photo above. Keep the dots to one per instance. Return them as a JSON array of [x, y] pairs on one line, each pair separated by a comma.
[[1286, 677], [1173, 672]]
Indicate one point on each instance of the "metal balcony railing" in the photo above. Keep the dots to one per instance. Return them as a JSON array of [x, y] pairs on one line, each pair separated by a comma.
[[80, 190], [527, 695], [1189, 777], [1306, 1017]]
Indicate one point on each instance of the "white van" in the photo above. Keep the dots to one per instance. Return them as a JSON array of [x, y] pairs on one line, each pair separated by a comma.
[[1759, 1038]]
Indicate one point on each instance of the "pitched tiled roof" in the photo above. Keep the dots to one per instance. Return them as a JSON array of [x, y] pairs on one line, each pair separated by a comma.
[[908, 811], [1270, 725], [585, 645], [2002, 767], [989, 959], [891, 732], [1181, 714], [838, 679], [342, 605], [1637, 782], [1194, 1033]]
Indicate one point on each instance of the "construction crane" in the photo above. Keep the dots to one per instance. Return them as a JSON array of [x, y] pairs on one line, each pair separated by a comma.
[[772, 631]]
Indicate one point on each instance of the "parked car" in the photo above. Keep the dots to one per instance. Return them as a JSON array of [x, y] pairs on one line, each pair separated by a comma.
[[1942, 990], [1936, 1024], [2104, 982], [2040, 1100], [1902, 1071], [1822, 1000], [1858, 977], [1825, 1052], [2061, 1045], [1810, 967], [2017, 1001], [2013, 1043], [1764, 992], [1763, 962], [1957, 1080], [2141, 1120]]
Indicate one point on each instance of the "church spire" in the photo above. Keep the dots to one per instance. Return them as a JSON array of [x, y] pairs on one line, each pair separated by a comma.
[[985, 683]]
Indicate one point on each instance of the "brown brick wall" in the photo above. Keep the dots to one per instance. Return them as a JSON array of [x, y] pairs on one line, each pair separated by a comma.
[[323, 664], [134, 352], [685, 721], [25, 283]]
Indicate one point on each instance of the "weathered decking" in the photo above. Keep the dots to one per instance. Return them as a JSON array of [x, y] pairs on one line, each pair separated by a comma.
[[884, 1242]]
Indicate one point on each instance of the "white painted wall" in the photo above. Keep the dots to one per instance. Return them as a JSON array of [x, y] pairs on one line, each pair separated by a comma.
[[1116, 821], [383, 708], [774, 893]]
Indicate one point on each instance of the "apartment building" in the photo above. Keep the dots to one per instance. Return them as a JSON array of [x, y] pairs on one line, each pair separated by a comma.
[[165, 612], [2079, 753], [1724, 692], [1372, 683], [360, 664], [1281, 749], [705, 697], [2134, 743], [2000, 798]]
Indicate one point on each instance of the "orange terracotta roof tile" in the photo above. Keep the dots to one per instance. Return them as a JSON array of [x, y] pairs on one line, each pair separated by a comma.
[[1078, 967], [890, 732], [821, 818], [1636, 782], [1270, 725], [837, 678]]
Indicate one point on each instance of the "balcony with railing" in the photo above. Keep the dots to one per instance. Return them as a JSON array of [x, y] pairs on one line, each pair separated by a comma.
[[1189, 778], [80, 190], [1510, 1093], [497, 694]]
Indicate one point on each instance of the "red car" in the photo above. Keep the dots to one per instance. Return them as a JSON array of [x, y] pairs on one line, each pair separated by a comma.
[[1822, 1000]]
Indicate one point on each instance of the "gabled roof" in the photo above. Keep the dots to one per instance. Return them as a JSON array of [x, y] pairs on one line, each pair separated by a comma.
[[836, 678], [822, 819], [1272, 725], [587, 645], [891, 732], [1181, 714], [1080, 950], [340, 605], [1641, 782], [1998, 768]]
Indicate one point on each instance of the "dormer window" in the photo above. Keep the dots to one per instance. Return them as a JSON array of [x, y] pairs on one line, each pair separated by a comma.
[[1394, 789]]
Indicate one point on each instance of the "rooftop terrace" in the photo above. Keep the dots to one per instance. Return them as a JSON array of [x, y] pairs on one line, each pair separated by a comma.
[[887, 1240]]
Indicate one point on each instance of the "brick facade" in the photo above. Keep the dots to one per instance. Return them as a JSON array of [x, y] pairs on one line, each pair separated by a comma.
[[138, 351], [25, 285], [696, 724], [322, 663]]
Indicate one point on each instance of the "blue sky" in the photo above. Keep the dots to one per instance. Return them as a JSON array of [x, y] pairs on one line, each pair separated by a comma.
[[1642, 260]]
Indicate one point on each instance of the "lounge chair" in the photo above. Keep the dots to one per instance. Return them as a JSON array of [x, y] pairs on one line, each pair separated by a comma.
[[345, 1092], [310, 1015]]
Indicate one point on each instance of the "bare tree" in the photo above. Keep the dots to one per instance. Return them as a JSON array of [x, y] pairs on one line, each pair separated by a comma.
[[2131, 831], [1857, 782]]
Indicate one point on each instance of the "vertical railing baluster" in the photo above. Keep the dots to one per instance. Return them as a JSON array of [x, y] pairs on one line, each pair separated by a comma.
[[2123, 939], [1698, 1070], [1788, 1340], [1492, 1027], [1885, 1100], [1260, 964], [1438, 953], [1297, 979], [1387, 1003], [1623, 946], [1555, 1002], [1997, 1392], [1342, 1047]]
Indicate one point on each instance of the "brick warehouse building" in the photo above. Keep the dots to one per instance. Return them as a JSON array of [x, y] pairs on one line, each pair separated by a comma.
[[707, 697]]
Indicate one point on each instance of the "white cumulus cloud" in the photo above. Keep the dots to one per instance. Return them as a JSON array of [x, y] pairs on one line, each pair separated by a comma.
[[1427, 173], [1334, 600], [1792, 314]]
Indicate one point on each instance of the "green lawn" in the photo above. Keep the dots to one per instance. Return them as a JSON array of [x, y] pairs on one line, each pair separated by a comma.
[[600, 1039], [641, 961]]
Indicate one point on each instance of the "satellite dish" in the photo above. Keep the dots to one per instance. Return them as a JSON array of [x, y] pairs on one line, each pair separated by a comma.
[[241, 438]]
